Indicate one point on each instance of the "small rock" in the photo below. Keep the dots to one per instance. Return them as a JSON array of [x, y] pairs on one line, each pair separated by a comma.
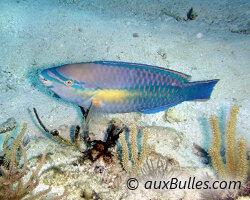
[[135, 35], [162, 53], [7, 126], [171, 115], [99, 169], [166, 137], [127, 22], [199, 35]]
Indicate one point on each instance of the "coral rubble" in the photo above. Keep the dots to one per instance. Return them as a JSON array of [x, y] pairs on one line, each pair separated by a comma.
[[8, 125]]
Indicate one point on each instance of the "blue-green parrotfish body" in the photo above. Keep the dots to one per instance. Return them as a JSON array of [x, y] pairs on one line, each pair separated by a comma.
[[121, 87]]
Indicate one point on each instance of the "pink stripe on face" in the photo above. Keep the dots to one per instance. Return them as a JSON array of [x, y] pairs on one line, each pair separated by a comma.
[[54, 76]]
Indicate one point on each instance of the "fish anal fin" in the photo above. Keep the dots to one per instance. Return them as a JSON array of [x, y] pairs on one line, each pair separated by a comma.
[[201, 100], [157, 109]]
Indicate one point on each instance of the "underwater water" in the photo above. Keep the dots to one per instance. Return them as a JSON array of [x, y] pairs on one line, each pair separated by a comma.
[[60, 151]]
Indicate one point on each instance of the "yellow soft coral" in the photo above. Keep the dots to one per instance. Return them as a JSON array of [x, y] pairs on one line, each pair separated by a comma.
[[235, 168], [230, 140], [135, 157], [214, 151]]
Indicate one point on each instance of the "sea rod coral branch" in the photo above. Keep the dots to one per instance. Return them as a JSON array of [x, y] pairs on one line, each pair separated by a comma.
[[230, 140], [235, 166], [136, 157]]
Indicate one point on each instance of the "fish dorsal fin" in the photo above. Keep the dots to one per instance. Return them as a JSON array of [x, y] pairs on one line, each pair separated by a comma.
[[127, 64]]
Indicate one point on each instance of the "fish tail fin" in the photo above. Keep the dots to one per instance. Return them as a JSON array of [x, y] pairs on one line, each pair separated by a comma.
[[199, 90]]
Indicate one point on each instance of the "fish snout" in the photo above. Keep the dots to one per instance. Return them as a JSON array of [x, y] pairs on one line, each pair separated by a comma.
[[45, 81]]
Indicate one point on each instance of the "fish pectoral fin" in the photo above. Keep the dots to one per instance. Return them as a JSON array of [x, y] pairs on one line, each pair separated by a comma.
[[97, 101], [157, 109]]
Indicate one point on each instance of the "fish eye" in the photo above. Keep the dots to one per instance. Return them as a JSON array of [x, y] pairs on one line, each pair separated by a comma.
[[68, 83]]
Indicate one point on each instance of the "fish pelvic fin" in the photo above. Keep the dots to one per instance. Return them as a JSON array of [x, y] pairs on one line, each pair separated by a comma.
[[199, 90]]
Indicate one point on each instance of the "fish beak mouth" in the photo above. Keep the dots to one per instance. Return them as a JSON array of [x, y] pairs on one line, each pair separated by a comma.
[[45, 81]]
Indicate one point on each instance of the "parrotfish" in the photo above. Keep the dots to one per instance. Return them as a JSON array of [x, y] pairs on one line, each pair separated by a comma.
[[121, 87]]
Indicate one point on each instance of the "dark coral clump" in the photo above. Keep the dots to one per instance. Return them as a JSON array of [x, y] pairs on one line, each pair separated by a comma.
[[99, 148], [191, 15]]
